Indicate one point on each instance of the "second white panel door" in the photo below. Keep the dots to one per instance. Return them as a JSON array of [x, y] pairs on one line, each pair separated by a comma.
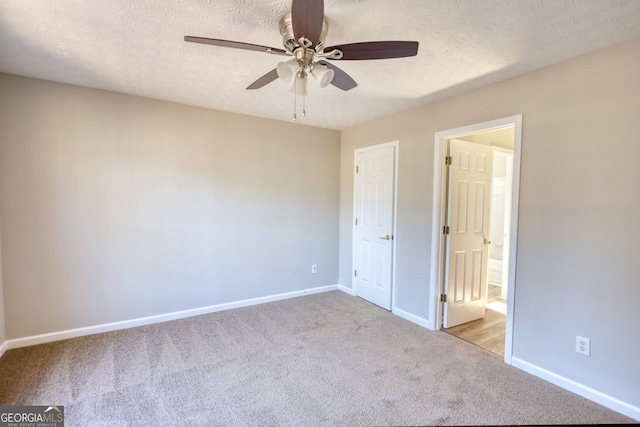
[[374, 208]]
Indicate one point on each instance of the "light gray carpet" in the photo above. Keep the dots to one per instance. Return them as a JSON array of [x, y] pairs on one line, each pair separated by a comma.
[[325, 359]]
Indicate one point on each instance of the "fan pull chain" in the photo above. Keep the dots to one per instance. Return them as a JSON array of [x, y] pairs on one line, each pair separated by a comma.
[[304, 111], [298, 77], [295, 97]]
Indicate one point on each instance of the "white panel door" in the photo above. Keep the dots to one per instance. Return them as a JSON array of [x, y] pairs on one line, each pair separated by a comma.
[[374, 202], [470, 177]]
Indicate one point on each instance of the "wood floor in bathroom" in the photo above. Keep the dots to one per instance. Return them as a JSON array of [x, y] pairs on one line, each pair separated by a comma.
[[487, 333]]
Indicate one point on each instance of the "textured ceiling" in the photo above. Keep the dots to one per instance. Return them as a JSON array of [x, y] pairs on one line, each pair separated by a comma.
[[137, 47]]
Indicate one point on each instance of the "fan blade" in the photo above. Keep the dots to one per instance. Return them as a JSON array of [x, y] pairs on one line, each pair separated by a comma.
[[236, 45], [264, 80], [307, 17], [341, 80], [376, 50]]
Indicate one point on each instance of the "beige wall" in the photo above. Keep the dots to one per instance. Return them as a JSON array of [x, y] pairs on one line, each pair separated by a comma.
[[115, 207], [577, 271]]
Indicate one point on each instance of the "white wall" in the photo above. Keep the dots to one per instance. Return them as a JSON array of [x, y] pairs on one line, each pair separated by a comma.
[[577, 271], [116, 207]]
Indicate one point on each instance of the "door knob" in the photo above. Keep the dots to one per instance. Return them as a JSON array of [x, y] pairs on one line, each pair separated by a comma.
[[387, 237], [487, 242]]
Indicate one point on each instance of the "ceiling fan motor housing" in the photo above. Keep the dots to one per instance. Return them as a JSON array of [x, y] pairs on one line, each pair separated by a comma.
[[288, 39]]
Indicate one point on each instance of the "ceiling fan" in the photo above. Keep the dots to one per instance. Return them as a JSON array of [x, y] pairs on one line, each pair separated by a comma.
[[303, 32]]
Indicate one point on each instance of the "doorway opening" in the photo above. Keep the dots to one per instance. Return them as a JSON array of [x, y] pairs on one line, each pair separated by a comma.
[[486, 211], [476, 188]]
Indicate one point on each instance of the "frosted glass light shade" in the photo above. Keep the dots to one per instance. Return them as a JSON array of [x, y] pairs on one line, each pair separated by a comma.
[[287, 70], [322, 74]]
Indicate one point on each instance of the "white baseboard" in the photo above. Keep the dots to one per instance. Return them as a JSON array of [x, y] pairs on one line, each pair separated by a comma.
[[125, 324], [407, 316], [412, 318], [3, 347], [347, 290], [579, 389]]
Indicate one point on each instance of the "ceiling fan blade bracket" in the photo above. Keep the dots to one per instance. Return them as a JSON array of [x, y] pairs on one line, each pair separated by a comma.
[[333, 54], [305, 42], [278, 52]]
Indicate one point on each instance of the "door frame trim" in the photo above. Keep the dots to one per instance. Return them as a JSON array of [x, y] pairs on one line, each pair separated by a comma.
[[438, 254], [396, 151]]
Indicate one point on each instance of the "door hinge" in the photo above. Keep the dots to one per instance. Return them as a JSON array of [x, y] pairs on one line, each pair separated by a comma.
[[357, 169], [443, 298], [356, 221], [445, 229], [355, 273], [447, 160]]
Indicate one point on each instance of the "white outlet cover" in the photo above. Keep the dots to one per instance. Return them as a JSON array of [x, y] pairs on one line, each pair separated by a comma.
[[583, 346]]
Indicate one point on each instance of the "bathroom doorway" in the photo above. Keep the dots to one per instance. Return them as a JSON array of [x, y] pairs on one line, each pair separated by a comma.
[[486, 328], [452, 292]]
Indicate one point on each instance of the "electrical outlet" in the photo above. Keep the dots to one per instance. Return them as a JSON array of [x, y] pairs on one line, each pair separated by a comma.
[[583, 346], [314, 268]]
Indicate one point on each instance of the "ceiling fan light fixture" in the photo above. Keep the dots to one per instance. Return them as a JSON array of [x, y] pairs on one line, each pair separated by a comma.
[[322, 74], [303, 33], [287, 70]]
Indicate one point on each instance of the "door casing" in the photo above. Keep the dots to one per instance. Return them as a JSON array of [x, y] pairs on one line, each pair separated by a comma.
[[396, 146], [439, 219]]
